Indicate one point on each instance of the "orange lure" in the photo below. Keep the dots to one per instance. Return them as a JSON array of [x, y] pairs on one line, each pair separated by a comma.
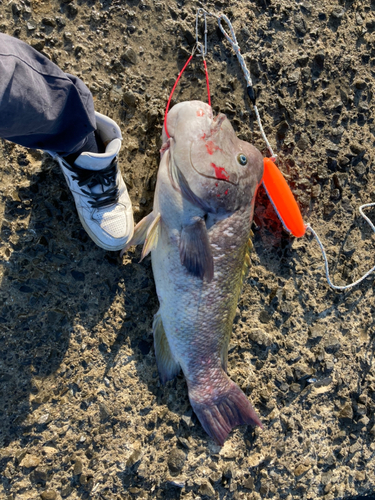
[[282, 199]]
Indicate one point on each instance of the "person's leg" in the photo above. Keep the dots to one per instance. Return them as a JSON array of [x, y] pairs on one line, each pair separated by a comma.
[[44, 108]]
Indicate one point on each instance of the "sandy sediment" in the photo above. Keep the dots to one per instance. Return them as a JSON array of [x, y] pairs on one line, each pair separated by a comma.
[[82, 412]]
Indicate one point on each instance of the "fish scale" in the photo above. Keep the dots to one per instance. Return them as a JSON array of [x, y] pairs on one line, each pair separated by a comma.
[[198, 235]]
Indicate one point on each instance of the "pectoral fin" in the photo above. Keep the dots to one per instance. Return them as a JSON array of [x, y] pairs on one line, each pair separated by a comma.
[[140, 232], [168, 368], [151, 237], [195, 250]]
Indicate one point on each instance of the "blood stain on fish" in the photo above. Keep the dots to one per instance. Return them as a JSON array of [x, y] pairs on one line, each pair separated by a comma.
[[211, 147], [200, 112], [220, 172]]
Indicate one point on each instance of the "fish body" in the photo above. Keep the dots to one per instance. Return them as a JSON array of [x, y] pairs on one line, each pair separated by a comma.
[[198, 234]]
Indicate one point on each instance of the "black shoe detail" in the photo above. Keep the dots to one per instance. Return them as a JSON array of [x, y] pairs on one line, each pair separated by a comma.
[[105, 178]]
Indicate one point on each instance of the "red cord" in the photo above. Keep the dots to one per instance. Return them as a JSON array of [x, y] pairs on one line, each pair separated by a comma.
[[171, 94], [175, 85]]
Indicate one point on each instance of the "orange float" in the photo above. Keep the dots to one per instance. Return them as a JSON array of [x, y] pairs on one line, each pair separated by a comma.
[[282, 199]]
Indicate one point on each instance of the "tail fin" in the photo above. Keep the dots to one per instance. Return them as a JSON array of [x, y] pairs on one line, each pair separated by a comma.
[[224, 412]]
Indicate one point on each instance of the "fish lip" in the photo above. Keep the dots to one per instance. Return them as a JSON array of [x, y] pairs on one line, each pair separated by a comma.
[[210, 176]]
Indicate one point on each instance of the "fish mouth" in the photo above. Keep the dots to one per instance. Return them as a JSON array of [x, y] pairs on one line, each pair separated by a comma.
[[215, 178]]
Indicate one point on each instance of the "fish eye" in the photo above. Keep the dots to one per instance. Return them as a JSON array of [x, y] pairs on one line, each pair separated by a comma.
[[241, 159]]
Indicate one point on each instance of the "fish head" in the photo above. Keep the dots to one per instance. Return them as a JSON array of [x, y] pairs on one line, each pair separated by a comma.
[[219, 169]]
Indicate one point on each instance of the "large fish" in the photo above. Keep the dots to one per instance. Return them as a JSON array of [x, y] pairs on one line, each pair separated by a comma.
[[198, 233]]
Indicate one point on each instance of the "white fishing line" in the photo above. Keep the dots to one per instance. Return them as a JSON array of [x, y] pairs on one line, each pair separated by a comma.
[[343, 287]]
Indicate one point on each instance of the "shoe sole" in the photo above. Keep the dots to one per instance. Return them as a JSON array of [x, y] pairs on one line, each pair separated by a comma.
[[99, 242]]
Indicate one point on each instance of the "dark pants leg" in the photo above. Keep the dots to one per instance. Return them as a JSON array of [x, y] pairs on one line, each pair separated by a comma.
[[41, 107]]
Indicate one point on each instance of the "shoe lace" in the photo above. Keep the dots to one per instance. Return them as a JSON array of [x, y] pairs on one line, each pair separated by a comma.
[[105, 178]]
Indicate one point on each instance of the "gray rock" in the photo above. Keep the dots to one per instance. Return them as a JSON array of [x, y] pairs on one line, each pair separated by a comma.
[[31, 25], [316, 331], [49, 21], [215, 477], [303, 143], [331, 344], [38, 44], [264, 317], [248, 483], [294, 77], [303, 371], [39, 476], [260, 337], [134, 458], [48, 495], [338, 13], [130, 56], [78, 466], [206, 489], [130, 98], [30, 461], [346, 411], [300, 25], [104, 411], [176, 460]]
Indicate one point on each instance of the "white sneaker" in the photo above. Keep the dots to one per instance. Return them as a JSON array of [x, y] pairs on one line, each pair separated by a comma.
[[99, 191]]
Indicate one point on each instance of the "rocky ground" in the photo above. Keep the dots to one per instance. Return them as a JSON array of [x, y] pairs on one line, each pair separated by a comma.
[[82, 412]]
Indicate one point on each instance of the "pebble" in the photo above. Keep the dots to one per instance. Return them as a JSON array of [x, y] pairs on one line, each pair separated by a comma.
[[30, 461], [331, 344], [44, 419], [130, 56], [104, 411], [176, 460], [264, 317], [78, 466], [248, 483], [316, 331], [135, 457], [207, 489], [215, 477], [346, 411], [48, 495], [185, 443], [302, 468], [260, 337], [295, 76], [39, 476], [329, 365], [187, 420], [294, 387], [49, 21], [130, 98], [303, 371], [228, 450], [338, 13], [303, 143], [178, 482]]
